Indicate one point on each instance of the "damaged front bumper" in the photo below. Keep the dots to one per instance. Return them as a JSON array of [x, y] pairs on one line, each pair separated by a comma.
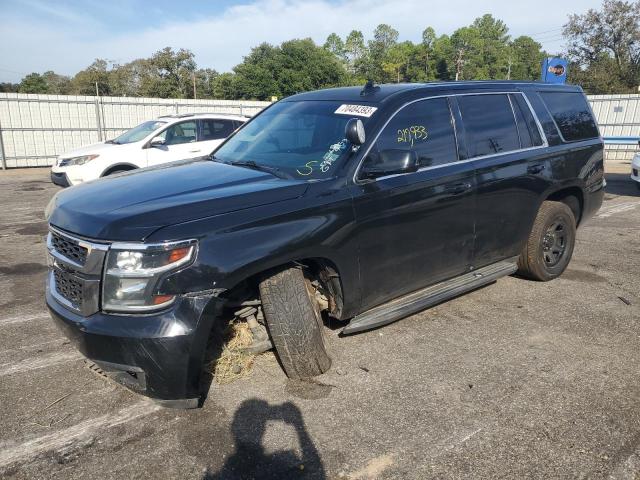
[[160, 355]]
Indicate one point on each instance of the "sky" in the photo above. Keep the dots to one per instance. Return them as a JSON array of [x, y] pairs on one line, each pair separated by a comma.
[[66, 36]]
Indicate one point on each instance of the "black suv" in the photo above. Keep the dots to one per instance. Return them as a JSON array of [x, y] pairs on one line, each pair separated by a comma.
[[360, 204]]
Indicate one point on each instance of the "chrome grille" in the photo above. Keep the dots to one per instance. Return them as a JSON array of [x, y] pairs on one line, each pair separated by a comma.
[[69, 248], [75, 271], [68, 287]]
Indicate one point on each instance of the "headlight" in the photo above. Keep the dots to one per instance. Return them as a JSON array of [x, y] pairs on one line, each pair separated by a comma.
[[133, 272], [65, 162]]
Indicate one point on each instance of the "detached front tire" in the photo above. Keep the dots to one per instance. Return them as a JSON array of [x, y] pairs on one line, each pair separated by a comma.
[[294, 323], [550, 245]]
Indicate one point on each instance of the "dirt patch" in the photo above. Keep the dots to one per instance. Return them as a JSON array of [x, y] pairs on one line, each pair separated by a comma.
[[23, 269], [38, 228], [308, 389], [582, 276], [31, 189]]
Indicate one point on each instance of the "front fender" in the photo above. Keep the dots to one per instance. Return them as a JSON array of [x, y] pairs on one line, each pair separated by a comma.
[[241, 244]]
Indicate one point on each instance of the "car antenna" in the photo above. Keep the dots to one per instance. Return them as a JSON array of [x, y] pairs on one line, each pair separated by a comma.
[[369, 88]]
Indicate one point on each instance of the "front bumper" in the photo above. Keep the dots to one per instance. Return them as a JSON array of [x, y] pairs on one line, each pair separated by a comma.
[[60, 178], [159, 355]]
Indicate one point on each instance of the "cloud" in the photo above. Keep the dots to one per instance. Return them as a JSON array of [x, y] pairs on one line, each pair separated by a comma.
[[66, 40]]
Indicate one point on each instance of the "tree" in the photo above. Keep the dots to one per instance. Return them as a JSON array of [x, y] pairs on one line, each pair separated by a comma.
[[84, 82], [384, 37], [33, 83], [335, 45], [170, 74], [8, 87], [294, 66], [428, 43], [355, 52], [396, 60], [606, 42], [525, 57]]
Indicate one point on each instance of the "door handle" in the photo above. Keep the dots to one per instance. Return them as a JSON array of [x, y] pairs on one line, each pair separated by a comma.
[[535, 169], [194, 151], [457, 188]]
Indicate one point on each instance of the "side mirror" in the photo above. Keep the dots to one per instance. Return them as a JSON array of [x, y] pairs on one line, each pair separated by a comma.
[[157, 141], [390, 162], [354, 131]]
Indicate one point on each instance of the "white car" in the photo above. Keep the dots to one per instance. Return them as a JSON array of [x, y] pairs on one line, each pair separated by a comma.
[[635, 169], [166, 139]]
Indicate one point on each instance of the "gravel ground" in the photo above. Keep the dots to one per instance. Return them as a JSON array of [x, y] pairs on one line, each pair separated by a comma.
[[518, 379]]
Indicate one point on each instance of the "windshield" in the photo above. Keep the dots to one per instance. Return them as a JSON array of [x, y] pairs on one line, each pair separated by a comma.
[[138, 133], [303, 140]]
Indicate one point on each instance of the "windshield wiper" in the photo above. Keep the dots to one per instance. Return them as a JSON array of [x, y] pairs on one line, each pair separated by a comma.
[[112, 141], [257, 166]]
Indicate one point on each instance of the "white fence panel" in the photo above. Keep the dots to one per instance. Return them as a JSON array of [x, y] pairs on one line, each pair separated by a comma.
[[618, 116], [35, 129]]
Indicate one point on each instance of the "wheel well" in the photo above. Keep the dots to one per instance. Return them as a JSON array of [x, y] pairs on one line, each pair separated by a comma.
[[573, 198], [121, 167], [321, 270]]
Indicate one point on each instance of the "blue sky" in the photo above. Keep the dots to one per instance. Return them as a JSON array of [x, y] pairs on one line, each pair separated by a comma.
[[66, 36]]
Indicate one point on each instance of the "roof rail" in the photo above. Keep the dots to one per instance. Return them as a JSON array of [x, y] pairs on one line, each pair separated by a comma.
[[177, 115]]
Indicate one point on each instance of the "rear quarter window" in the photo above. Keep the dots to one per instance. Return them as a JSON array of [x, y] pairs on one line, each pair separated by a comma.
[[572, 115]]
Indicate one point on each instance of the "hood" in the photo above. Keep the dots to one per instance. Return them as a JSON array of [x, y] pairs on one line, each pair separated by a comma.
[[131, 206], [91, 149]]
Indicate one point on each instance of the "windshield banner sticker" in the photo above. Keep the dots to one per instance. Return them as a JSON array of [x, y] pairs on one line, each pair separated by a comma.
[[360, 110]]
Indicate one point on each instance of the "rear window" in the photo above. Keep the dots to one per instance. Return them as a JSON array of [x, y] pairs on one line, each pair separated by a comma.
[[489, 124], [571, 114]]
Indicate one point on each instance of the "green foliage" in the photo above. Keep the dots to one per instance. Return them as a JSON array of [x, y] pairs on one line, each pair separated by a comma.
[[293, 67], [33, 83]]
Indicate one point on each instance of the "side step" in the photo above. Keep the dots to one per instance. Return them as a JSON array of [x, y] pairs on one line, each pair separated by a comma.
[[427, 297]]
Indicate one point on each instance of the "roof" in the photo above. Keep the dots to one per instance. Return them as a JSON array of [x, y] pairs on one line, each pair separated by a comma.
[[382, 92]]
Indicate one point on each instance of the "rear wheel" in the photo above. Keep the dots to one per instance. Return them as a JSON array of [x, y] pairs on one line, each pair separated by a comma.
[[294, 323], [550, 245]]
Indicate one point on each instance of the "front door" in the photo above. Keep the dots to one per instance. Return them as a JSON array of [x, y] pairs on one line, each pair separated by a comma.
[[180, 142], [415, 229]]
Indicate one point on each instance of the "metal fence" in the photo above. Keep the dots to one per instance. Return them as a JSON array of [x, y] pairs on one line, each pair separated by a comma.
[[618, 116], [35, 129]]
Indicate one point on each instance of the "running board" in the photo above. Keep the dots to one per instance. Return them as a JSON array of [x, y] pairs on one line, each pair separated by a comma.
[[427, 297]]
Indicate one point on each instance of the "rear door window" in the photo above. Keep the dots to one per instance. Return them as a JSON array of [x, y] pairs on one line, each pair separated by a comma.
[[571, 114], [425, 127], [489, 124], [213, 129], [527, 127]]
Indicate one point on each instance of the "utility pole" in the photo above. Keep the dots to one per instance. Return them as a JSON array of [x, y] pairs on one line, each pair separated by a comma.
[[459, 64], [194, 85], [509, 69]]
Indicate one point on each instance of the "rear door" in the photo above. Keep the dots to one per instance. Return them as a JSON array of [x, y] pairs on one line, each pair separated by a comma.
[[503, 139], [213, 131], [181, 142], [415, 229]]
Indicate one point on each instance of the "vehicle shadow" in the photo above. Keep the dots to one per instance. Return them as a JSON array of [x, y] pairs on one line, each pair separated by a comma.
[[621, 184], [251, 460]]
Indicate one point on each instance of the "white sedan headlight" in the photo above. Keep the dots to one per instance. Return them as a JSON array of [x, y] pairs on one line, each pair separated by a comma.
[[132, 274], [66, 162]]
